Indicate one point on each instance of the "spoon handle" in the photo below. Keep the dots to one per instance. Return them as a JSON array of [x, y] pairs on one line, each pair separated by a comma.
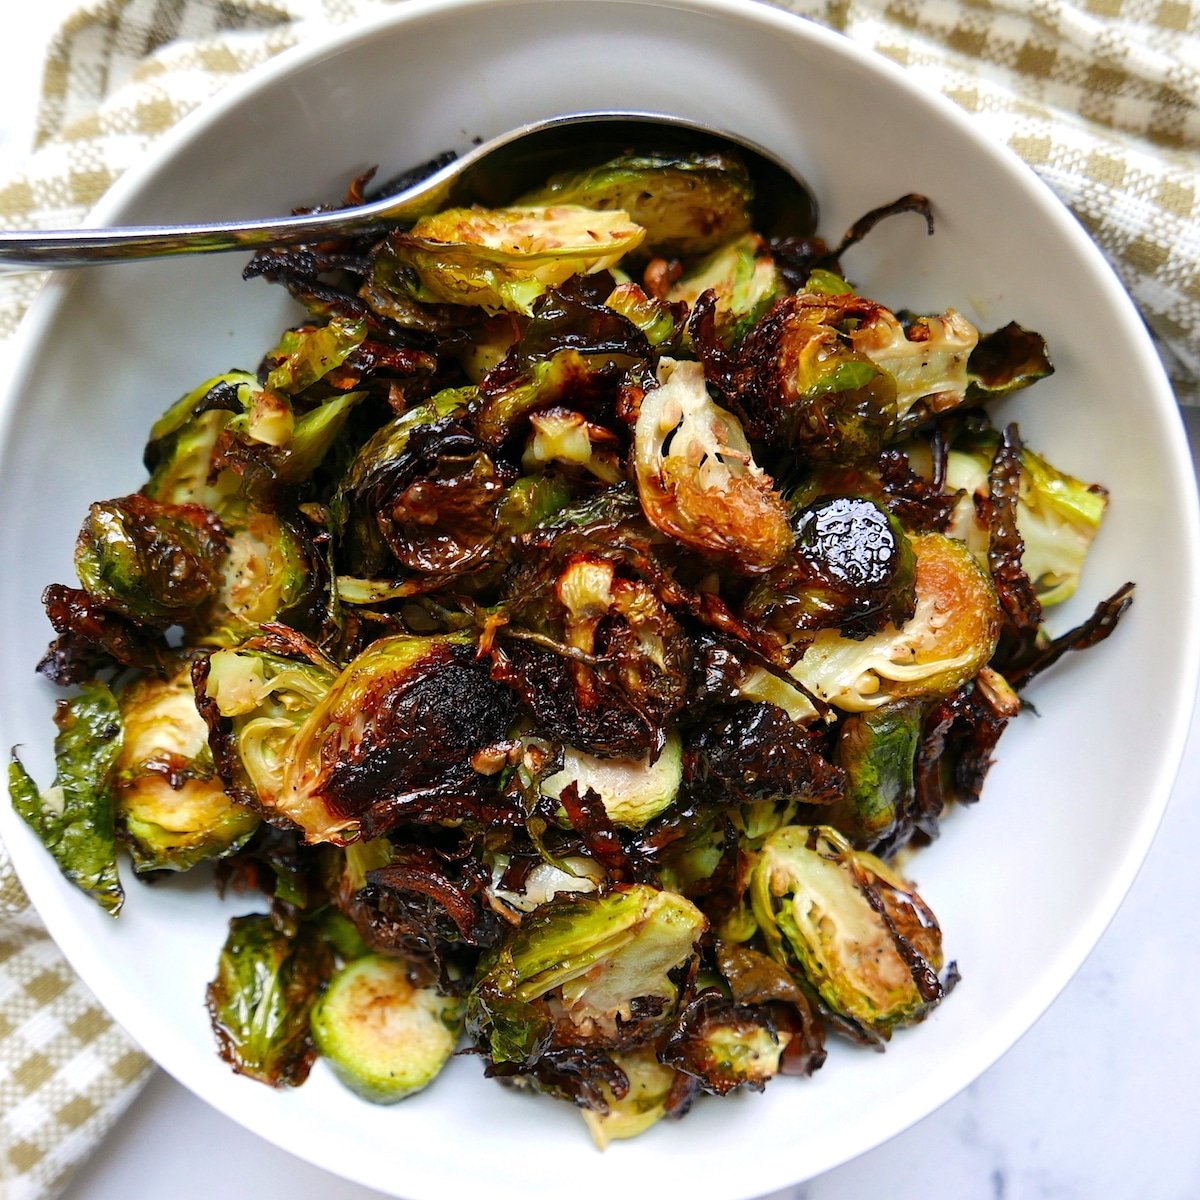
[[56, 248]]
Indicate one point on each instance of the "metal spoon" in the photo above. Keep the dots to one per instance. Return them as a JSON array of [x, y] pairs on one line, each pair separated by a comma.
[[493, 173]]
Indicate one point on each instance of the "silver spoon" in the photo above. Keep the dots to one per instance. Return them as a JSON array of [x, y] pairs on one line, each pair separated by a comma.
[[493, 173]]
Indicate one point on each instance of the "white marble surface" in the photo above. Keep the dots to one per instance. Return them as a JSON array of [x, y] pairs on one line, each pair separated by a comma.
[[1101, 1099]]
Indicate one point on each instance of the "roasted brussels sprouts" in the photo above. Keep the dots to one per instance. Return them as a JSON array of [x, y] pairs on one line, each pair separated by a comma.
[[181, 451], [385, 477], [927, 359], [152, 562], [697, 477], [858, 933], [802, 383], [255, 702], [878, 751], [633, 791], [648, 1084], [393, 738], [744, 280], [594, 971], [1058, 516], [506, 258], [852, 567], [510, 628], [686, 204], [308, 354], [725, 1045], [384, 1038], [171, 806], [950, 636], [266, 575], [541, 883]]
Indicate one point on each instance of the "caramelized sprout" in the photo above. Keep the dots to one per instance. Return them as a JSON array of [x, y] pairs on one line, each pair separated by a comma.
[[857, 932], [633, 790], [950, 636], [697, 477], [594, 971], [171, 805], [506, 258], [687, 204]]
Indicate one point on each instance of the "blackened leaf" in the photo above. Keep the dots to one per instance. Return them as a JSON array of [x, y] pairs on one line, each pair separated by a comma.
[[1006, 360], [91, 638], [1022, 608], [757, 752], [262, 996], [74, 817], [1095, 629]]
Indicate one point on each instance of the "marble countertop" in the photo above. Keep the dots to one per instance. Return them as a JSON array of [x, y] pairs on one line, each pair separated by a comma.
[[1100, 1099]]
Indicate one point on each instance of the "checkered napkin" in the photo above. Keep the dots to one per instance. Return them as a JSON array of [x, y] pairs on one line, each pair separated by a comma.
[[1099, 96]]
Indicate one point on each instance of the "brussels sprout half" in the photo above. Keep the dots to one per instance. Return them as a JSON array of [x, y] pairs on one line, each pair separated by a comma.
[[1058, 516], [949, 638], [687, 204], [697, 477], [384, 1038], [396, 730], [592, 971], [171, 806], [504, 259], [633, 790], [858, 933], [152, 562]]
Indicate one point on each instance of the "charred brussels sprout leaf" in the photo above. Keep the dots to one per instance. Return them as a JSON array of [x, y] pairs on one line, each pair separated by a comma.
[[172, 806], [152, 562], [757, 752], [878, 751], [687, 204], [181, 451], [384, 1038], [595, 971], [697, 477], [260, 1001], [1007, 360], [859, 934], [74, 816], [506, 258]]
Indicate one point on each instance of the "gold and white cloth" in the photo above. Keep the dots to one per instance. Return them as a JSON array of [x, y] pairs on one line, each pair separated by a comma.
[[1100, 97]]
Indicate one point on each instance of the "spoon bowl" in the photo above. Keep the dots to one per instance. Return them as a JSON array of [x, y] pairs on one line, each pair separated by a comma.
[[494, 173]]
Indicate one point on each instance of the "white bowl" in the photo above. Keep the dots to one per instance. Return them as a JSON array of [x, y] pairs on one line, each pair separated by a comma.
[[1024, 883]]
